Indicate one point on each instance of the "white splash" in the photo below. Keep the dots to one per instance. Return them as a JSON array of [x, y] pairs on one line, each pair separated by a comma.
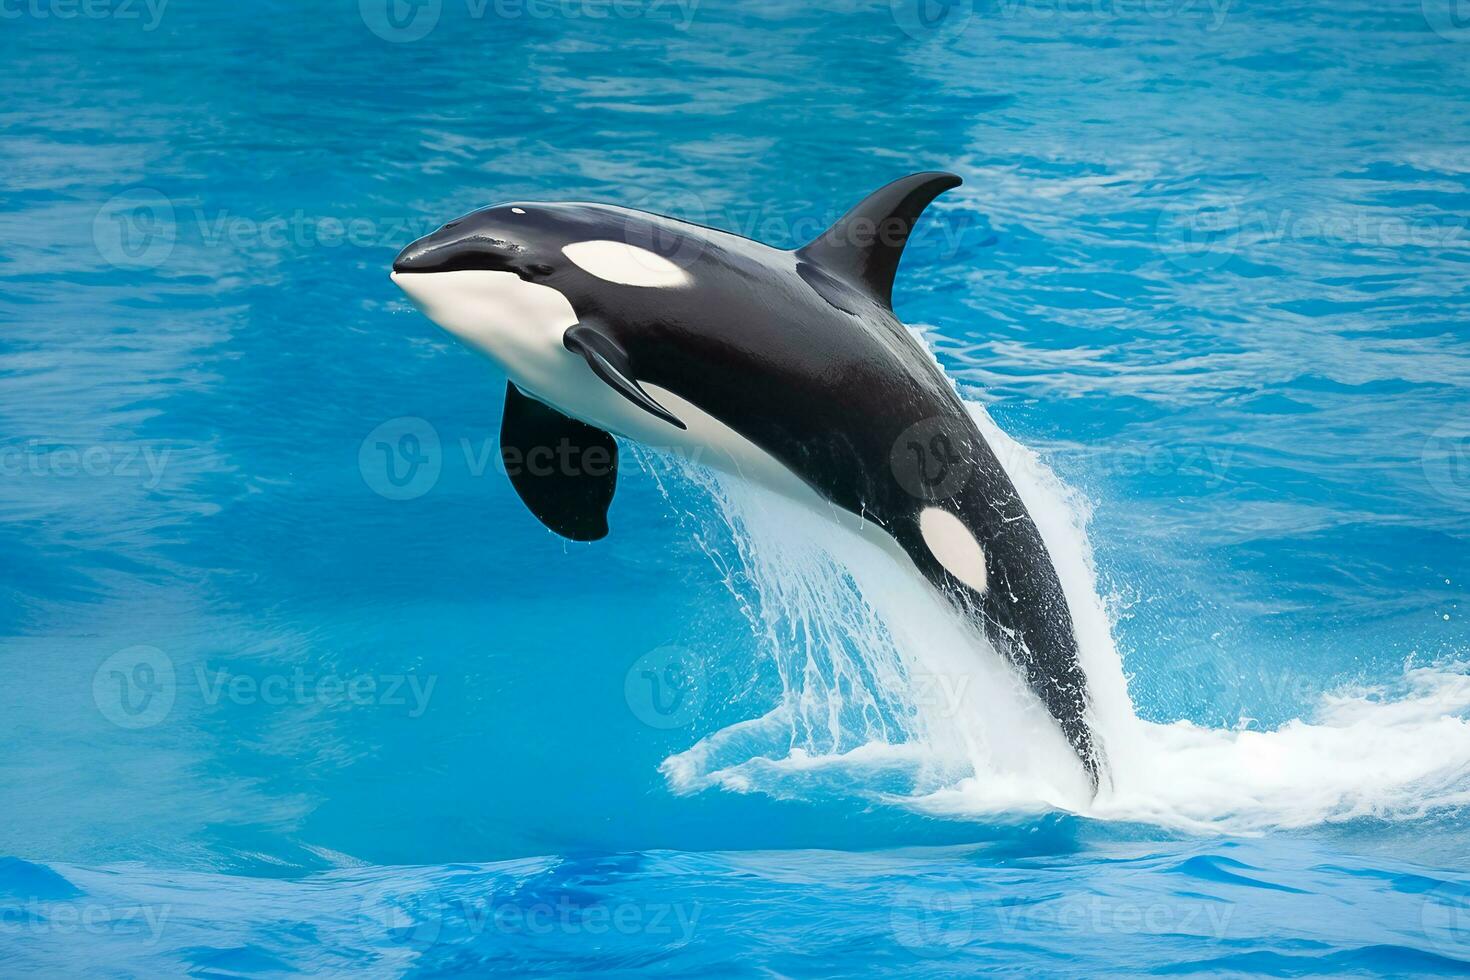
[[887, 693]]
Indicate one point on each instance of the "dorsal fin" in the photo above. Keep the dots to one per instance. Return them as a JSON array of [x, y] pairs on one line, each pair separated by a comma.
[[864, 246]]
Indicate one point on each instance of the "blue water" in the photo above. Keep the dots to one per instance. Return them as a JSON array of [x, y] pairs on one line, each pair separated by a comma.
[[287, 693]]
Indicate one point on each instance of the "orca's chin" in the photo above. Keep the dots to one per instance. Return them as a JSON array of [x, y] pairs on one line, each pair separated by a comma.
[[406, 282], [420, 288], [442, 297]]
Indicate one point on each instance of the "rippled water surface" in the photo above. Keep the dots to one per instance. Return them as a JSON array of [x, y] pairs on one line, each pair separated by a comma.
[[294, 683]]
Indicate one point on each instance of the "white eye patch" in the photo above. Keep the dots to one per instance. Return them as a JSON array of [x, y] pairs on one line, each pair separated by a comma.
[[625, 264], [952, 544], [517, 211]]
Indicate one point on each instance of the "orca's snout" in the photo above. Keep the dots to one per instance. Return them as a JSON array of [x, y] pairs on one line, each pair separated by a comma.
[[469, 243], [415, 258], [426, 255]]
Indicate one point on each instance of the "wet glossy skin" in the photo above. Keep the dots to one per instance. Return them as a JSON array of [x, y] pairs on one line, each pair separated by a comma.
[[818, 372]]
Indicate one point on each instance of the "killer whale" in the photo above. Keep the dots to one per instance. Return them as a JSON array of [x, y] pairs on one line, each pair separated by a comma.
[[790, 365]]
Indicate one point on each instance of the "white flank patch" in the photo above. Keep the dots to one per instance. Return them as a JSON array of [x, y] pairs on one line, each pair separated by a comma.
[[626, 264], [954, 546]]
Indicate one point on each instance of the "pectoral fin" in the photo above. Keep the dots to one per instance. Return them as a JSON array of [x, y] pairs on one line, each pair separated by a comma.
[[564, 470], [606, 357]]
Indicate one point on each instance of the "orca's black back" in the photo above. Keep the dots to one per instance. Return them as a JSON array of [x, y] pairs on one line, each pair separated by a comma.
[[801, 353], [829, 382]]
